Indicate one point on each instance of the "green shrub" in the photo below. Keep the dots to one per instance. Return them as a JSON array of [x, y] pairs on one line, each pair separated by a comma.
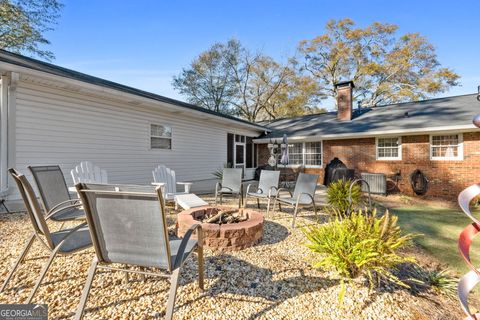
[[440, 281], [337, 197], [219, 172], [360, 245]]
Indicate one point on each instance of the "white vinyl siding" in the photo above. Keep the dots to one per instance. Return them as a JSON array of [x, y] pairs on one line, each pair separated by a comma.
[[55, 126], [389, 148], [308, 154], [446, 147]]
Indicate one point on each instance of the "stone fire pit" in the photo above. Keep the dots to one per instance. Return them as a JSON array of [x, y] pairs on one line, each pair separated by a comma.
[[223, 237]]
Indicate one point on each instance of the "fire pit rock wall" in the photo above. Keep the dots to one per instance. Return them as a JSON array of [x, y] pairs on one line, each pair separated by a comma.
[[223, 237]]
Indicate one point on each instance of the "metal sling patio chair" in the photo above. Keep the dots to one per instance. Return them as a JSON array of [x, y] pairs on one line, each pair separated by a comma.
[[128, 226], [231, 184], [303, 194], [266, 189], [54, 194], [65, 242]]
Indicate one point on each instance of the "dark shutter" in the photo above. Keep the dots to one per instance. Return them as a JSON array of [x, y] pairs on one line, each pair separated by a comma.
[[249, 152], [255, 150], [230, 138]]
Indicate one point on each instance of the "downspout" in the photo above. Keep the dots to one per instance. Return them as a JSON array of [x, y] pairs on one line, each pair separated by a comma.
[[3, 133], [7, 112]]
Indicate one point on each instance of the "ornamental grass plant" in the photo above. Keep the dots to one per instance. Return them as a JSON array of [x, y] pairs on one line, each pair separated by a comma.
[[361, 244]]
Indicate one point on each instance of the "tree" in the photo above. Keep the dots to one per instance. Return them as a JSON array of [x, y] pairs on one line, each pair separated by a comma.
[[208, 81], [384, 68], [23, 24], [231, 79], [258, 80], [298, 95]]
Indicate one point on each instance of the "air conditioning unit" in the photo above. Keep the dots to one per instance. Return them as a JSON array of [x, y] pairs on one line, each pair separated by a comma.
[[376, 181]]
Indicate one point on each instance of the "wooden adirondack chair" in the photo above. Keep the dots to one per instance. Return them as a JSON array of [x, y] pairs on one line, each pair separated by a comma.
[[86, 172], [166, 176]]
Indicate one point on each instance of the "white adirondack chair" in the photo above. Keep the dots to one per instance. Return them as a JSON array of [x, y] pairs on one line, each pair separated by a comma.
[[88, 173], [166, 176]]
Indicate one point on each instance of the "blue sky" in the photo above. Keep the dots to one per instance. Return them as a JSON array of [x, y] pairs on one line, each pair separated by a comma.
[[144, 43]]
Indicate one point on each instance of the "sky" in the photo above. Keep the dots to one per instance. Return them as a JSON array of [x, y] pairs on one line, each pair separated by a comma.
[[143, 44]]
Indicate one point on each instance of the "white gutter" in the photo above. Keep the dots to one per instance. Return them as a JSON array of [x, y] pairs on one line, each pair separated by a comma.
[[372, 134], [126, 97]]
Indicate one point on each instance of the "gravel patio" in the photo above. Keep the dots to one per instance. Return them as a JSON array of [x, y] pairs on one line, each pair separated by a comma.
[[272, 280]]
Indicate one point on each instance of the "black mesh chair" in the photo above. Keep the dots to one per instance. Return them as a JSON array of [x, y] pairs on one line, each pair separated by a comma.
[[303, 194], [128, 226], [54, 194], [65, 242]]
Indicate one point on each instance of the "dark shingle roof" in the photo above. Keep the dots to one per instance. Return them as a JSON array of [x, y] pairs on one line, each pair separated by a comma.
[[38, 65], [411, 116]]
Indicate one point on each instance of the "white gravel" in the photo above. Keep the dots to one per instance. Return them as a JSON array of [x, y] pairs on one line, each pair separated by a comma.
[[272, 280]]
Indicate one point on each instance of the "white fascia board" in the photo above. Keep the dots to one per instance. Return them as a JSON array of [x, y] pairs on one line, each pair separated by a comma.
[[372, 134], [127, 96]]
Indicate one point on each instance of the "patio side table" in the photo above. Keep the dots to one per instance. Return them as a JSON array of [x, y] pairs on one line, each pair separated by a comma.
[[189, 200]]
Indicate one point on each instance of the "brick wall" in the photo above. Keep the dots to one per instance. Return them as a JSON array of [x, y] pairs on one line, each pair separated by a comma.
[[447, 178]]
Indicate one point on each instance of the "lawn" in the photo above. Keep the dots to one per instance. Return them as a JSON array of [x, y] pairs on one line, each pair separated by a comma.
[[440, 228]]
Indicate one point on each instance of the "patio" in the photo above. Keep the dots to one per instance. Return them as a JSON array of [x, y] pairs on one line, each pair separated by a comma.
[[272, 280]]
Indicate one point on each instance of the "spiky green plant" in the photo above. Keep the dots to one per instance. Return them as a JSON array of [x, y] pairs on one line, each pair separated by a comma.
[[440, 281], [219, 172], [338, 197], [360, 245]]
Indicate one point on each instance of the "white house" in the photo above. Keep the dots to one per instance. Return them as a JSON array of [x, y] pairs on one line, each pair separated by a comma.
[[53, 115]]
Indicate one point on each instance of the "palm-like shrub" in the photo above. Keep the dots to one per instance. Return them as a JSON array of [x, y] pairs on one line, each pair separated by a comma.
[[360, 245], [219, 172], [338, 196]]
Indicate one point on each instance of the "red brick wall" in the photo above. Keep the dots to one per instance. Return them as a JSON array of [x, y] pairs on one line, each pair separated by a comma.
[[447, 178]]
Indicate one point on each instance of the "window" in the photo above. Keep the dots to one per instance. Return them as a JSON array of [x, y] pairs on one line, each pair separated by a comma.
[[239, 154], [446, 147], [313, 153], [160, 137], [389, 148], [239, 138], [305, 153], [295, 153]]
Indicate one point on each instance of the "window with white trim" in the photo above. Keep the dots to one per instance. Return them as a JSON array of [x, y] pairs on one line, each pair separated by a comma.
[[308, 154], [160, 137], [295, 153], [389, 148], [313, 153], [446, 147]]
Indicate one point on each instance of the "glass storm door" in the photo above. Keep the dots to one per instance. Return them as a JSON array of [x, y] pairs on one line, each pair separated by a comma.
[[239, 152]]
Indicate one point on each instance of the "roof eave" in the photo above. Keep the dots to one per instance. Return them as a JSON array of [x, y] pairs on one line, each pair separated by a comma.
[[11, 67], [372, 134]]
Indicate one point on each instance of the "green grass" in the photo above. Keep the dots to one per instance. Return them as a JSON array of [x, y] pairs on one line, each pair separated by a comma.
[[440, 228]]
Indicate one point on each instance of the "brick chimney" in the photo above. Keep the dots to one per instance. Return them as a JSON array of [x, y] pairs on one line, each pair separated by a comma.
[[344, 100]]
